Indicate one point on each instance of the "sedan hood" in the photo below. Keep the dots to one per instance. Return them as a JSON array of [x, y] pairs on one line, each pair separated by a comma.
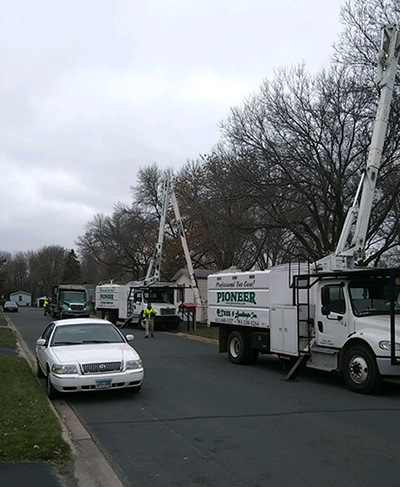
[[108, 352]]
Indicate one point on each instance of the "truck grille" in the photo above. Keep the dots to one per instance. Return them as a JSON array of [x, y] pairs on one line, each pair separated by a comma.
[[102, 367], [77, 307], [167, 311]]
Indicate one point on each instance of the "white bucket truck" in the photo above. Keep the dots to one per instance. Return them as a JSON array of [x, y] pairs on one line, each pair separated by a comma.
[[332, 315], [126, 302]]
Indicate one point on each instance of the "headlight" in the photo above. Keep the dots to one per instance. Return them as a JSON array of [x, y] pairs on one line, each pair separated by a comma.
[[134, 364], [386, 345], [64, 369]]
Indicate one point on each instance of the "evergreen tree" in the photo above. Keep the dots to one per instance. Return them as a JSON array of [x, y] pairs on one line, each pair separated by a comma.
[[72, 269]]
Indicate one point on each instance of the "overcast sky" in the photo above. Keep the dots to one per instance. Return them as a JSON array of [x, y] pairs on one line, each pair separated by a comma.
[[93, 90]]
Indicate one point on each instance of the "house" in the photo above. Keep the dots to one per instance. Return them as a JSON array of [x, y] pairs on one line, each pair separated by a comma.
[[186, 295], [22, 298]]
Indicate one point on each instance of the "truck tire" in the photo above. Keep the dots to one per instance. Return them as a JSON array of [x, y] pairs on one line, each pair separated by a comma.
[[239, 348], [360, 371]]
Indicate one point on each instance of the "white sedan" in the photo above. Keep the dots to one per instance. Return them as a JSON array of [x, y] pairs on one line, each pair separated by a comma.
[[86, 354]]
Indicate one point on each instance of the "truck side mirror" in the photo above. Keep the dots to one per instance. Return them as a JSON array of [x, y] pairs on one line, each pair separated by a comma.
[[325, 310]]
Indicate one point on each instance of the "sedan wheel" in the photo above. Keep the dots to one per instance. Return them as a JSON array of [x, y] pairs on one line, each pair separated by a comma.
[[39, 371], [52, 393]]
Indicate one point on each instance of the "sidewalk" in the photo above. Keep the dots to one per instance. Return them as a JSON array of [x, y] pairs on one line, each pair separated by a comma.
[[31, 474]]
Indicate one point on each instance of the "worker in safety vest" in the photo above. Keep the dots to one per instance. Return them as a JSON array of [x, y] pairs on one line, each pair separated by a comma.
[[149, 314], [46, 307]]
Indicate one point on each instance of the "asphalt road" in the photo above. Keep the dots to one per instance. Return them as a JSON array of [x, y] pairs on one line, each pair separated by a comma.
[[201, 421]]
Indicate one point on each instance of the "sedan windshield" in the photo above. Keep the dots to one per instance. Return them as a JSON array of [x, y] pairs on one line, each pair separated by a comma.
[[372, 297], [85, 334]]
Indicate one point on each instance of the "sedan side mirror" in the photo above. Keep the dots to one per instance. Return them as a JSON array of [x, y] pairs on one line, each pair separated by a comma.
[[41, 342], [129, 338]]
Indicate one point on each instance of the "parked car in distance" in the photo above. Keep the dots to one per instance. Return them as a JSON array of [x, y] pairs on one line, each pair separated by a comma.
[[10, 306], [87, 354]]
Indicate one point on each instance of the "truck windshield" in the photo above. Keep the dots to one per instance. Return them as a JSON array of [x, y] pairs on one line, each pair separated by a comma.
[[155, 296], [372, 297], [73, 297]]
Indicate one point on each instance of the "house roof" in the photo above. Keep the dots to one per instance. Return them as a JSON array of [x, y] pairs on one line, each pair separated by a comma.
[[21, 292], [198, 273]]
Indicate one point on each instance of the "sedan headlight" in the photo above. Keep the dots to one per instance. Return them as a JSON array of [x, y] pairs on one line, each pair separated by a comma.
[[64, 369], [134, 364], [386, 345]]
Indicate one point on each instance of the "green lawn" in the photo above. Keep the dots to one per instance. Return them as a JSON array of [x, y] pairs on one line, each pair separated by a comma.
[[7, 336], [29, 428], [202, 330]]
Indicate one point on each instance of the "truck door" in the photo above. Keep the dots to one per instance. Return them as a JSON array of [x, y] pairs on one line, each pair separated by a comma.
[[332, 315], [137, 305]]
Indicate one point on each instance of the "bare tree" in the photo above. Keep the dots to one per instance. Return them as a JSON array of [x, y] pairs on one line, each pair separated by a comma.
[[46, 268], [218, 213], [299, 146], [17, 271], [117, 243]]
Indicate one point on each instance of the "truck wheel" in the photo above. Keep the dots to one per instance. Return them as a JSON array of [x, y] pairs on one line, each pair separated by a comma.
[[239, 349], [360, 371]]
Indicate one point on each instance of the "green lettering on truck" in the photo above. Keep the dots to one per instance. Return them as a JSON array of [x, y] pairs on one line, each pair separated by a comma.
[[232, 296]]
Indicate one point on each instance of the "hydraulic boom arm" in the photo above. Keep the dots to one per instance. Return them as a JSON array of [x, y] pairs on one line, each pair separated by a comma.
[[350, 250], [154, 269]]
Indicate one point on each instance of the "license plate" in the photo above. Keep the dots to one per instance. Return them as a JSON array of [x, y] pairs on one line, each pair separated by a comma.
[[103, 384]]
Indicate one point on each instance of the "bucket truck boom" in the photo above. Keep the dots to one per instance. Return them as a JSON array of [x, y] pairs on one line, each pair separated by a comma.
[[153, 272], [350, 250]]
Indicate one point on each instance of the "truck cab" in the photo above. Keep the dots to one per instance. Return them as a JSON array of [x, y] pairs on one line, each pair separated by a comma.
[[161, 297], [125, 303], [70, 301], [358, 320]]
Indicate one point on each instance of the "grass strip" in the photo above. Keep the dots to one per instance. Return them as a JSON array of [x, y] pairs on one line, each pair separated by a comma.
[[29, 429], [202, 330], [7, 337]]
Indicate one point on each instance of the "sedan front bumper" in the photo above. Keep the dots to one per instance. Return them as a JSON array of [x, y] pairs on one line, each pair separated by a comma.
[[79, 383]]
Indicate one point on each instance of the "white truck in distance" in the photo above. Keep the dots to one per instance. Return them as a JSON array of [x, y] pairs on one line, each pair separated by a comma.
[[126, 302], [334, 314]]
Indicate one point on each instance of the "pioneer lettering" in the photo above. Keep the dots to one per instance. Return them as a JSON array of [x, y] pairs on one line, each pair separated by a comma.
[[236, 297]]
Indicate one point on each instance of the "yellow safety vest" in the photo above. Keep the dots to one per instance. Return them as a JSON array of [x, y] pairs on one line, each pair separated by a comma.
[[148, 312]]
